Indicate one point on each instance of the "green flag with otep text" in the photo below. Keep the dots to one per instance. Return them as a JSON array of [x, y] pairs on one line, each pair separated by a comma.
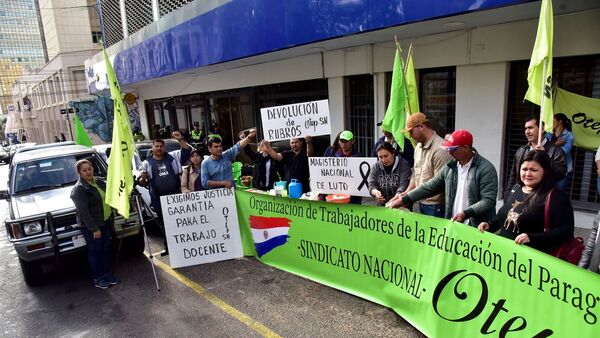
[[540, 88], [584, 112], [120, 177]]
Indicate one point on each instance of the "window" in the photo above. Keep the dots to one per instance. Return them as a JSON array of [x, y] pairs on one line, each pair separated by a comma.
[[361, 118], [437, 93], [437, 89], [96, 37], [579, 75]]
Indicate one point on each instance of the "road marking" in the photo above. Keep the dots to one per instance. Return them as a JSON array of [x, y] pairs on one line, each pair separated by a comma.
[[218, 302]]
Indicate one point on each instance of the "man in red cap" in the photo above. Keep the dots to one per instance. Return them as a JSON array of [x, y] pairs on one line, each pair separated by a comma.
[[469, 182]]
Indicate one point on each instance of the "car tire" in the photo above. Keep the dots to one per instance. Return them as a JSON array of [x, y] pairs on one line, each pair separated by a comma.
[[135, 244], [32, 272]]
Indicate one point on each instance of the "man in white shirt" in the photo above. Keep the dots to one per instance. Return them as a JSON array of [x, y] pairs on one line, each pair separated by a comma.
[[469, 183]]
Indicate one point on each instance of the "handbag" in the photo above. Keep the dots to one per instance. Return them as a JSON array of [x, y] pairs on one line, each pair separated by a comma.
[[570, 250]]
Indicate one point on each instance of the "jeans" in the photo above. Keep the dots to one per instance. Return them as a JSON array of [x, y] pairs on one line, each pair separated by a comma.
[[98, 250], [436, 210], [563, 184]]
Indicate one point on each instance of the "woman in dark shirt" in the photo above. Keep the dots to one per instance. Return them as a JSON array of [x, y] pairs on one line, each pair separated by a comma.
[[267, 171], [521, 218], [94, 218], [390, 175]]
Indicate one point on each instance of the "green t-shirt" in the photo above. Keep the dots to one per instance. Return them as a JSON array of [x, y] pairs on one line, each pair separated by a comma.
[[105, 207]]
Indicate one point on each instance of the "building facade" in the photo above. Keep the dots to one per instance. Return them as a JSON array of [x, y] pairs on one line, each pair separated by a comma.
[[21, 45], [71, 35], [221, 63]]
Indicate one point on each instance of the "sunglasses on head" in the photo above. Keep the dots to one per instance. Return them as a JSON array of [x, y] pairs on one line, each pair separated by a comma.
[[451, 149]]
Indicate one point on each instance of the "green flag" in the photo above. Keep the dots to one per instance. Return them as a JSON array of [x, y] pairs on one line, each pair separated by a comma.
[[540, 88], [395, 117], [411, 85], [582, 111], [120, 178], [81, 136]]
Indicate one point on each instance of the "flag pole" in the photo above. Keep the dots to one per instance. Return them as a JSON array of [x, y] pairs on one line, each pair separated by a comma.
[[404, 78], [542, 104], [399, 49], [404, 69]]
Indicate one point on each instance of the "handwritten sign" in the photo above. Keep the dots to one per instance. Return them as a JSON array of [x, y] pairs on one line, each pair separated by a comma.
[[296, 120], [201, 227], [340, 175]]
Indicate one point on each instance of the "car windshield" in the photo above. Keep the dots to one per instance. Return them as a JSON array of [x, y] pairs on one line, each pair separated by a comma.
[[146, 148], [51, 173]]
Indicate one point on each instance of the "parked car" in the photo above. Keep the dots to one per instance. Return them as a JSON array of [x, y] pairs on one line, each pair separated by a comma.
[[12, 149], [42, 222], [145, 147], [4, 155]]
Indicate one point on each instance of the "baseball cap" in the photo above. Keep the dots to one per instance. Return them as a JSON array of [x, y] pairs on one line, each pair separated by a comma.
[[346, 135], [458, 138], [414, 120]]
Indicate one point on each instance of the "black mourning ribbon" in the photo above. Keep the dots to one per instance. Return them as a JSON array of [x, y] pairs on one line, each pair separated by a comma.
[[365, 176]]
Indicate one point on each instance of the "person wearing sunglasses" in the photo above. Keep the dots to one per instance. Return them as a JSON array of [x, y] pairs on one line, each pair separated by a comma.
[[429, 159], [469, 183]]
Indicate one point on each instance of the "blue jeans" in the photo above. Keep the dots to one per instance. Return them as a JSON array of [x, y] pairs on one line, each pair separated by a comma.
[[98, 250], [436, 210], [563, 184]]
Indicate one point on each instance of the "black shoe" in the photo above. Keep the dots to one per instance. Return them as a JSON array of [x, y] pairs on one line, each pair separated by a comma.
[[112, 280], [102, 284]]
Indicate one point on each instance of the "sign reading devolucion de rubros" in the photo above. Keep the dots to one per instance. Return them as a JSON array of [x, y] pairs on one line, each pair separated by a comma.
[[296, 120], [201, 227]]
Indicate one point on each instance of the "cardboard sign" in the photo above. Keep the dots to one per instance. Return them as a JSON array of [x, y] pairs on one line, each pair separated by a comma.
[[201, 227], [296, 120], [340, 175]]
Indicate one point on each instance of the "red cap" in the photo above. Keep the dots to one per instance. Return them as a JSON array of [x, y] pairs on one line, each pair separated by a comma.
[[458, 138]]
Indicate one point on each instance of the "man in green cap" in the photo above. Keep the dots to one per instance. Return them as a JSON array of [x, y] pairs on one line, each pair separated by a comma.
[[346, 149], [346, 144]]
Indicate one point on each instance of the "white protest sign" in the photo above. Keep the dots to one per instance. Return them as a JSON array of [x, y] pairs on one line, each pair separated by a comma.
[[340, 175], [296, 120], [201, 227]]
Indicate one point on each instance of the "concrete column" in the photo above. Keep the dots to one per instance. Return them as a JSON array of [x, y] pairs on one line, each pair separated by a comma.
[[481, 95], [123, 18], [155, 13], [336, 105], [380, 104]]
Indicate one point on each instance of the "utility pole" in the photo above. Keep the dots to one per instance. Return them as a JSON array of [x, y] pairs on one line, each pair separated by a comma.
[[66, 112]]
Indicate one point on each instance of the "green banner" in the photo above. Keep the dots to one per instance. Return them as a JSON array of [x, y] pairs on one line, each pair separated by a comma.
[[584, 113], [445, 278]]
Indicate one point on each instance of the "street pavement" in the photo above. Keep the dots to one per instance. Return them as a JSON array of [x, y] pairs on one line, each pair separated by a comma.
[[235, 298]]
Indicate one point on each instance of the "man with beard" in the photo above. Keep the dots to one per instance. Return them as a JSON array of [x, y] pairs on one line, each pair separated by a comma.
[[295, 160], [162, 172], [430, 159]]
